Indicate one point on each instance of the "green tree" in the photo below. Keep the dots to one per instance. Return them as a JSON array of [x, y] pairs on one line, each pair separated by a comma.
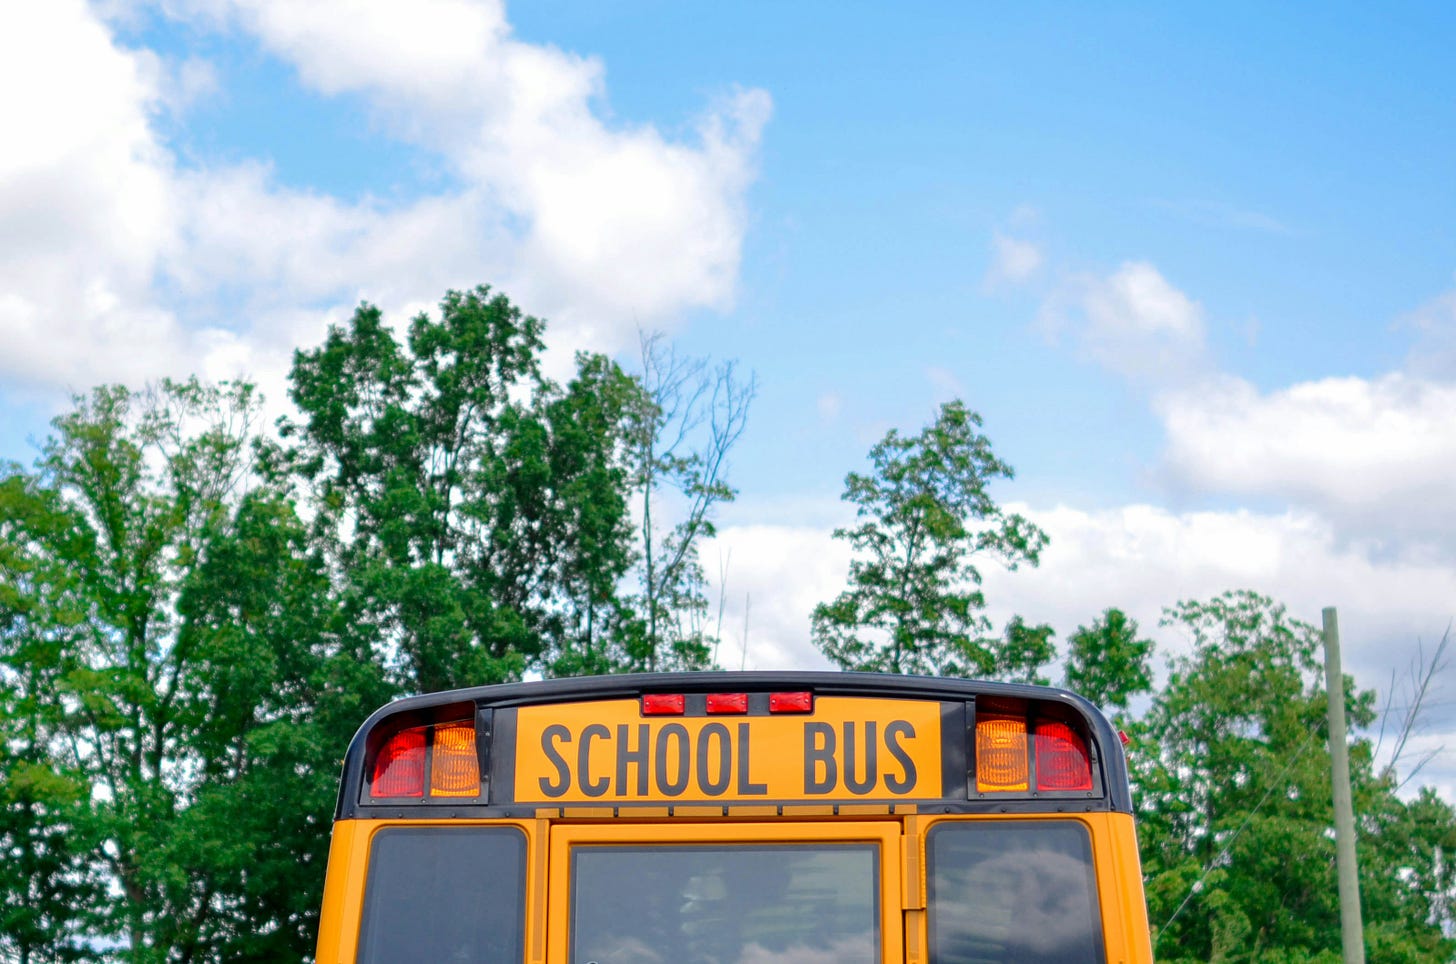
[[1022, 652], [914, 602], [1107, 662], [474, 512], [49, 885], [48, 882], [162, 626], [589, 450], [1234, 804]]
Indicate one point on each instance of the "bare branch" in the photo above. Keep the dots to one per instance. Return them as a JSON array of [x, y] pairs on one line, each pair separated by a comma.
[[1422, 672]]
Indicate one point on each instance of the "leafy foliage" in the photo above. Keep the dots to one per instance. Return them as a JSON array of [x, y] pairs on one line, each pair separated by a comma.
[[163, 621], [184, 652], [475, 511], [1234, 800], [914, 603], [1107, 662]]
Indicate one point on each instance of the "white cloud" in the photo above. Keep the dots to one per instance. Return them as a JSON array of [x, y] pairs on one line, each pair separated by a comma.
[[1142, 558], [1133, 322], [776, 576], [117, 264], [619, 219], [1376, 456], [1434, 353], [1139, 558], [1014, 261]]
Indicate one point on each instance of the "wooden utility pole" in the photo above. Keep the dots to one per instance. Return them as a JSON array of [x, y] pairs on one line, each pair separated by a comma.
[[1352, 935]]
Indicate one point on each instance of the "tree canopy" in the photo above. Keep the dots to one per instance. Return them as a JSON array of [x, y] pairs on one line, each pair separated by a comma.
[[914, 602], [1232, 775], [197, 611], [165, 621]]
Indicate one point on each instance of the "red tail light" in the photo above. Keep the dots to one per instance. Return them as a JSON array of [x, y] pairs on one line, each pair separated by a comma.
[[399, 769], [1062, 762]]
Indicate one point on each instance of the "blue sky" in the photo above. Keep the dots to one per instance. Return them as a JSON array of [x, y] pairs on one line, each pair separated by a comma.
[[1196, 267], [1292, 176]]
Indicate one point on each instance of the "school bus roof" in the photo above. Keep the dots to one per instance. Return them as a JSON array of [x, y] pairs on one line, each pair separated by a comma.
[[497, 710]]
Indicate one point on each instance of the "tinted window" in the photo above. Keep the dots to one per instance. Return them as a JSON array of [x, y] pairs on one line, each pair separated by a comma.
[[725, 905], [445, 894], [1003, 891]]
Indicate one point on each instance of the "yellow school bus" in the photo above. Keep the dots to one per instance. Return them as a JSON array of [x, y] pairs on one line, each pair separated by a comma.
[[735, 818]]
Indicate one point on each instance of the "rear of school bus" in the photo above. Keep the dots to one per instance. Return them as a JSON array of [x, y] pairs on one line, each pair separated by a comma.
[[735, 818]]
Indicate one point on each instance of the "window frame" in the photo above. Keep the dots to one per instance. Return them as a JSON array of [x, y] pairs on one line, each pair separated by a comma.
[[885, 835], [370, 890], [1101, 933]]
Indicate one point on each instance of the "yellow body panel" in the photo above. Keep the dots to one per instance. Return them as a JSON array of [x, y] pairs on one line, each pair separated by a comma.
[[903, 869], [348, 871]]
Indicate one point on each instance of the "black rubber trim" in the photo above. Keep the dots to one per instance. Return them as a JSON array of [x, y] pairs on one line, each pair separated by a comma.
[[954, 760]]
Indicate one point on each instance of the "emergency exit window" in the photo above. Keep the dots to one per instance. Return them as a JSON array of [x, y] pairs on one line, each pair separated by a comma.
[[445, 895], [1006, 891], [730, 904]]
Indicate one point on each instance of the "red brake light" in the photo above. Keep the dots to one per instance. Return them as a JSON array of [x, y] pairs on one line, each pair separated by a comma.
[[791, 702], [1062, 762], [728, 703], [399, 769], [663, 704]]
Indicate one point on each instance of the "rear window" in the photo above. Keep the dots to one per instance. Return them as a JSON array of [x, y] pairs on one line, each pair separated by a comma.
[[445, 894], [1003, 891], [738, 904]]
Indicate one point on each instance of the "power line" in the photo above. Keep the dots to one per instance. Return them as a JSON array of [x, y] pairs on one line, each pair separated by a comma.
[[1409, 706], [1208, 868]]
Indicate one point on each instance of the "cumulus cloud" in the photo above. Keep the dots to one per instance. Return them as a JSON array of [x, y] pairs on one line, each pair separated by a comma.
[[776, 575], [119, 263], [1139, 558], [85, 204], [1133, 322], [1376, 456], [617, 218]]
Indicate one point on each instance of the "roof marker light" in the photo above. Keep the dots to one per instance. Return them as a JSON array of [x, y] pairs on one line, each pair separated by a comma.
[[663, 704], [727, 702], [791, 702]]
